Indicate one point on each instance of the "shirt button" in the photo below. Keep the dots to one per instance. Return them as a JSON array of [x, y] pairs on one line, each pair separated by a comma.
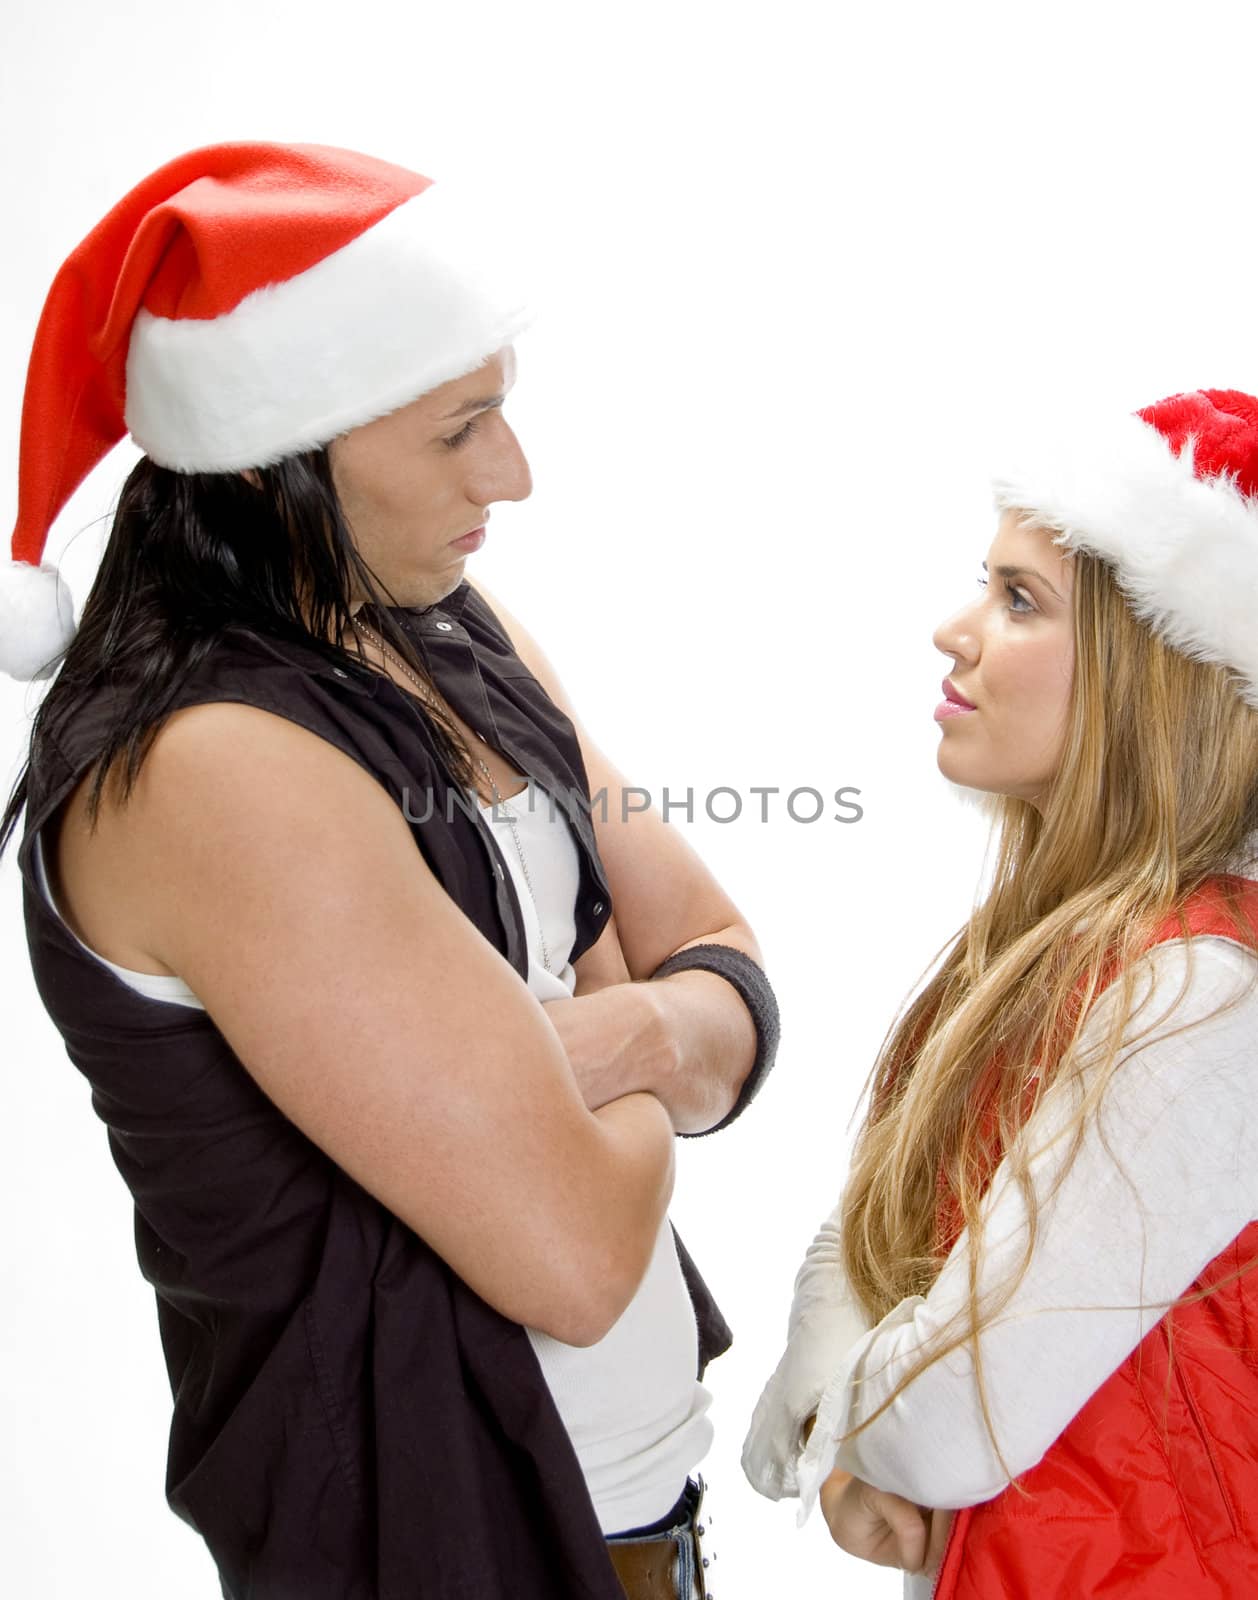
[[445, 626], [596, 907]]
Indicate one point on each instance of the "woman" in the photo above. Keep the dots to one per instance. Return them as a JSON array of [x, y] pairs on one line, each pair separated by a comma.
[[1024, 1333], [393, 1101]]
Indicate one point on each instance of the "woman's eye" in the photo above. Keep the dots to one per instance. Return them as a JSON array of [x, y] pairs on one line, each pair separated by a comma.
[[464, 434], [1014, 595]]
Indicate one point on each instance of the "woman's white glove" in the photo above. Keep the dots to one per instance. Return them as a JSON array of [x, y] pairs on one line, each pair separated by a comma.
[[826, 1321]]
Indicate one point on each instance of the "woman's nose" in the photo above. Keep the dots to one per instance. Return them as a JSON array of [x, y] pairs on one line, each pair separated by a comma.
[[957, 636]]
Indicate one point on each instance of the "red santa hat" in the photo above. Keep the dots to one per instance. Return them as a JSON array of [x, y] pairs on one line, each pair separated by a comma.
[[1169, 496], [244, 302]]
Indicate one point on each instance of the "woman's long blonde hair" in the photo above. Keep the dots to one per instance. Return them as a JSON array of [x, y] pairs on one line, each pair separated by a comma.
[[1157, 790]]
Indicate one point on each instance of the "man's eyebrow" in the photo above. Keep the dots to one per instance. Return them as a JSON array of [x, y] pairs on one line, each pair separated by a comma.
[[474, 405], [1023, 572]]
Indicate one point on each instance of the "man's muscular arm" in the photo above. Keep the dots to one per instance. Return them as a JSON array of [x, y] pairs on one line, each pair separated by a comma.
[[281, 881], [688, 1038]]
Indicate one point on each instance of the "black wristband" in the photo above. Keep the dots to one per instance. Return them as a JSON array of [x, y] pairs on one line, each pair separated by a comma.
[[738, 969]]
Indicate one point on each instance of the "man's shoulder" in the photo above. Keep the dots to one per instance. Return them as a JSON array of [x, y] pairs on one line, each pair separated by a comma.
[[523, 646], [483, 603], [256, 686], [251, 666]]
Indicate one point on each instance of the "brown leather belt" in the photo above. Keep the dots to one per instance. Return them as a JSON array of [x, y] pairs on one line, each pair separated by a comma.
[[667, 1566]]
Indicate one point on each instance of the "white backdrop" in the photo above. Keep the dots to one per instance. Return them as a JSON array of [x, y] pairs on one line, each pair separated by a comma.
[[801, 262]]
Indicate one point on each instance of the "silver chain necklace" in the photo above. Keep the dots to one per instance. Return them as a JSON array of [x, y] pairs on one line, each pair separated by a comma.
[[499, 800]]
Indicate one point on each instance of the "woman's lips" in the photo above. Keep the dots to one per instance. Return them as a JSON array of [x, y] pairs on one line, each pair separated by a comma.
[[953, 704], [469, 541], [951, 708], [951, 692]]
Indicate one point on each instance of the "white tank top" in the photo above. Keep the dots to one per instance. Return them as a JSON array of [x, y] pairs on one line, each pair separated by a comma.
[[631, 1403]]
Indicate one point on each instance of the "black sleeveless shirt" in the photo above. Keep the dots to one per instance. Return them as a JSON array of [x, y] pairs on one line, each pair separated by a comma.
[[351, 1421]]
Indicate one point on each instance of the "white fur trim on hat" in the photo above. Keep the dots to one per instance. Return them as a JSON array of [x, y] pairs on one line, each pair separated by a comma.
[[1185, 548], [36, 619], [414, 301]]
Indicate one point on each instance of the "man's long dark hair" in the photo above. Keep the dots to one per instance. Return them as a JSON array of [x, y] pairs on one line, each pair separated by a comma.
[[188, 555]]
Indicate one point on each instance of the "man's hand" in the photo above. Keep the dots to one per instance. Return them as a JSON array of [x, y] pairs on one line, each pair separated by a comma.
[[881, 1527], [616, 1040], [688, 1039]]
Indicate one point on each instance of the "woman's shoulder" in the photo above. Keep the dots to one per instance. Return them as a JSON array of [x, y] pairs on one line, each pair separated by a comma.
[[1214, 932], [1182, 1054], [1202, 987], [1206, 961]]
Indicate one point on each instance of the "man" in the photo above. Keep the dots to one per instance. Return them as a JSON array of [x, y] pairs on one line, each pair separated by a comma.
[[427, 1326]]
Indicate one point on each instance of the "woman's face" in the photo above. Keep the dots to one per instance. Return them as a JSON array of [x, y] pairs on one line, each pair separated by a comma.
[[412, 483], [1013, 664]]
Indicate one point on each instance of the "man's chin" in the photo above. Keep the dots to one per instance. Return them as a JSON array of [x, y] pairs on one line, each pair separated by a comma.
[[431, 590]]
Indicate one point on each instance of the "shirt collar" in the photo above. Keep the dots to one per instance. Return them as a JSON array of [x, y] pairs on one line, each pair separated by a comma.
[[437, 618], [427, 618]]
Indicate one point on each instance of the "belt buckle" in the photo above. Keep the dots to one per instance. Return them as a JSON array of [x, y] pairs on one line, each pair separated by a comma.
[[685, 1574]]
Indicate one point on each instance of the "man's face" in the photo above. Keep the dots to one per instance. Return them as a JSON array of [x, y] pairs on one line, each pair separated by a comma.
[[412, 482]]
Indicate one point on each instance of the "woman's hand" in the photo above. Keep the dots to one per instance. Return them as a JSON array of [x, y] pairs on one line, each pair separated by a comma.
[[876, 1525], [940, 1527]]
